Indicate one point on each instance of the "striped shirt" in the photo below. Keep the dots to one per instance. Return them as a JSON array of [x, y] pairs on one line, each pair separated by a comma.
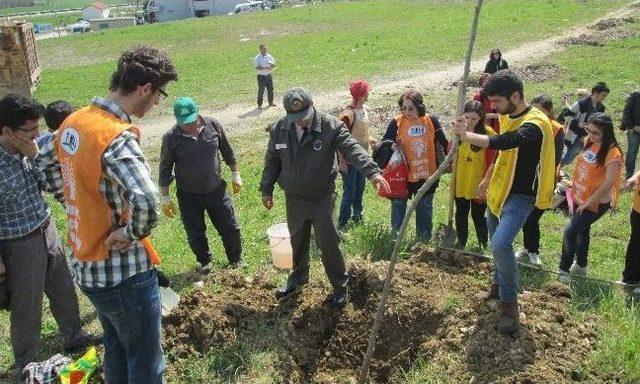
[[126, 179], [22, 208]]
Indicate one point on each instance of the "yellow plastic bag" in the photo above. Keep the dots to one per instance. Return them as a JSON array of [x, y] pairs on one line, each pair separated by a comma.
[[80, 370]]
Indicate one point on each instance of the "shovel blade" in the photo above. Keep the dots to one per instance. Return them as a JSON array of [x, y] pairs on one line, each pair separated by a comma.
[[447, 236]]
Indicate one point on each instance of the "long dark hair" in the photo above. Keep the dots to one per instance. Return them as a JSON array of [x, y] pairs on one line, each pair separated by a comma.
[[477, 107], [609, 141], [417, 100]]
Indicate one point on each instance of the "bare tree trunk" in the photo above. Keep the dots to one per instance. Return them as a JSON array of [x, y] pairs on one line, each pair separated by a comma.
[[462, 87]]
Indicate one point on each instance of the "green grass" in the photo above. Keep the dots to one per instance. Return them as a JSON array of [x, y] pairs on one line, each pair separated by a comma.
[[321, 46], [618, 328], [50, 5]]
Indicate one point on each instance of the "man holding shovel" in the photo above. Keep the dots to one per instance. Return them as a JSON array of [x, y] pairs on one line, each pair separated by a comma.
[[301, 158], [521, 180]]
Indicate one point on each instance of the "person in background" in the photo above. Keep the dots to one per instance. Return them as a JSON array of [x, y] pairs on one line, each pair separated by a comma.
[[491, 117], [192, 148], [631, 272], [474, 167], [356, 118], [631, 124], [419, 134], [31, 252], [531, 228], [96, 160], [496, 62], [523, 178], [300, 157], [582, 110], [264, 64], [54, 115], [595, 189]]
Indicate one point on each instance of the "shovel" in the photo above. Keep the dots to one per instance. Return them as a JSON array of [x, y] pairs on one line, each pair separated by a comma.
[[168, 297], [447, 233]]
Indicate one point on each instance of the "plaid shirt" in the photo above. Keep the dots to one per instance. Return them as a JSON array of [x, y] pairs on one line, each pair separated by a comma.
[[22, 208], [126, 178]]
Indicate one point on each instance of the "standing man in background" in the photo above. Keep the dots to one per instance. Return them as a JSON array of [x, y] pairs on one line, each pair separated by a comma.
[[264, 63]]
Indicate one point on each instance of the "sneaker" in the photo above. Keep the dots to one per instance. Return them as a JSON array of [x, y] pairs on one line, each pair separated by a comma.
[[238, 264], [490, 294], [578, 270], [340, 298], [81, 340], [637, 291], [534, 259], [564, 277], [272, 104], [628, 283], [205, 269], [522, 253]]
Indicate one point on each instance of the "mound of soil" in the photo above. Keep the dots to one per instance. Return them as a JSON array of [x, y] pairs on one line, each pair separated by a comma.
[[432, 315], [603, 25], [539, 73], [603, 31]]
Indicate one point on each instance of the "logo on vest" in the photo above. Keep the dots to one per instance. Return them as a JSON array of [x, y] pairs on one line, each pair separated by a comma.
[[70, 140], [317, 145], [589, 156], [416, 130]]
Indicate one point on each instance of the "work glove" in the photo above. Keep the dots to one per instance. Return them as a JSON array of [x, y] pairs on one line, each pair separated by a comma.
[[168, 207], [236, 182]]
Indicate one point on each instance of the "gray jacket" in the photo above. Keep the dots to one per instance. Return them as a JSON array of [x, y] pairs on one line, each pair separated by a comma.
[[309, 169]]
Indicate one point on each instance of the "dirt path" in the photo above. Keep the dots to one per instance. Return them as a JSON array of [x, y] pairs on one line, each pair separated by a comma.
[[239, 118]]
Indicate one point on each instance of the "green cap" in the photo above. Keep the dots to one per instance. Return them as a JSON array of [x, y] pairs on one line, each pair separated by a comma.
[[185, 110], [297, 102]]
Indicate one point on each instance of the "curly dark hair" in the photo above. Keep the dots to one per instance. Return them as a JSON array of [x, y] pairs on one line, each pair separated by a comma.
[[416, 98], [142, 65], [15, 110], [609, 140], [56, 112], [504, 83]]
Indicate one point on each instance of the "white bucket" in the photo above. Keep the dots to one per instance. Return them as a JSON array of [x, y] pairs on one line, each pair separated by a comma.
[[280, 244]]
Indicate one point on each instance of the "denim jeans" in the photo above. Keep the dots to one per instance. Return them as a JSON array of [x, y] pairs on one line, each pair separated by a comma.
[[571, 151], [575, 242], [130, 315], [424, 216], [502, 233], [353, 183], [633, 143]]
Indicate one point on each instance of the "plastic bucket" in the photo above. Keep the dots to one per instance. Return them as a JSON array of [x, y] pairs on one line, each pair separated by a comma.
[[280, 244]]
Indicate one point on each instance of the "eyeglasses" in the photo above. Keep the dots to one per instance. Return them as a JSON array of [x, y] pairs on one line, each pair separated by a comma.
[[163, 94], [408, 108], [35, 129]]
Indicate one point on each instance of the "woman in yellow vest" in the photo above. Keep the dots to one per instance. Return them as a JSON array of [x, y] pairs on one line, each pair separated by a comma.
[[595, 189], [531, 229], [418, 133], [631, 273], [472, 177]]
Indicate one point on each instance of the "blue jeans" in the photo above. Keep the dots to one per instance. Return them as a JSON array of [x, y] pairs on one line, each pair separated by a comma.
[[353, 183], [633, 143], [502, 233], [130, 315], [571, 151], [424, 216], [576, 238]]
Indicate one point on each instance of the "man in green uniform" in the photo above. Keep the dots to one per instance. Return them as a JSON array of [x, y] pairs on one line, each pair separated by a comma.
[[301, 158]]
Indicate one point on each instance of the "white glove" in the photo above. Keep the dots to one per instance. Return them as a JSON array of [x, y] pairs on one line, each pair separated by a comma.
[[236, 182]]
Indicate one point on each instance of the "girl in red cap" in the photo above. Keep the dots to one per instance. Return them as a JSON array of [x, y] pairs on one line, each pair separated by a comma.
[[356, 119]]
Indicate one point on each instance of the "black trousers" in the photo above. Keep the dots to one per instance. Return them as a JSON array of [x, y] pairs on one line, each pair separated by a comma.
[[265, 81], [218, 207], [462, 220], [632, 262], [531, 231]]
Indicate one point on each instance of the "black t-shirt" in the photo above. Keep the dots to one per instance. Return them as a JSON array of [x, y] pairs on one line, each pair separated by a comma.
[[528, 138]]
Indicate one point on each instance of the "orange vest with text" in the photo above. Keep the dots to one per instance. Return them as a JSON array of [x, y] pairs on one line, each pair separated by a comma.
[[80, 143], [417, 139], [588, 175]]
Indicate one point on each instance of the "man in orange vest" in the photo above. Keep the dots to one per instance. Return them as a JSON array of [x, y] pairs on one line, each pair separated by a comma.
[[110, 198]]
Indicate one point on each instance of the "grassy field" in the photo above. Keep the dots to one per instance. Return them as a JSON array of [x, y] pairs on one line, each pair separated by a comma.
[[334, 41], [618, 351], [50, 5]]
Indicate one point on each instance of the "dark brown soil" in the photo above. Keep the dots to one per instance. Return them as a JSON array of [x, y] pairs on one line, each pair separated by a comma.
[[432, 313], [539, 73], [604, 31]]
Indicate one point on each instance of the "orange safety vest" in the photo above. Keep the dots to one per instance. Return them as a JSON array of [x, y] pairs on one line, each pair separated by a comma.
[[83, 137], [588, 175], [416, 137]]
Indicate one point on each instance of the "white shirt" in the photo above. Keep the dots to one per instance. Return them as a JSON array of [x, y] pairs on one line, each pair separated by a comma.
[[263, 61]]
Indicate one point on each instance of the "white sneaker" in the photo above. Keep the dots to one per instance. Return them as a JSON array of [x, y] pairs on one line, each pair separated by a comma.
[[637, 291], [534, 259], [522, 253], [578, 270], [564, 277]]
